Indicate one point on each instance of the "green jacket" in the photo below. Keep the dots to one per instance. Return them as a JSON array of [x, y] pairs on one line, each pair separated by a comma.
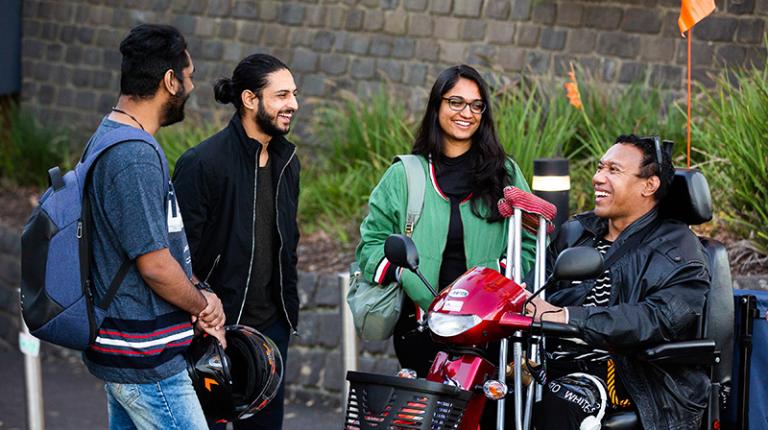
[[484, 242]]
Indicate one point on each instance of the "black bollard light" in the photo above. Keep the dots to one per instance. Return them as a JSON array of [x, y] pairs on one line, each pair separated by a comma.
[[551, 182]]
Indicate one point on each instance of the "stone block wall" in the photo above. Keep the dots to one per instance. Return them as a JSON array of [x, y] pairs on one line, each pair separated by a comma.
[[71, 62], [314, 371]]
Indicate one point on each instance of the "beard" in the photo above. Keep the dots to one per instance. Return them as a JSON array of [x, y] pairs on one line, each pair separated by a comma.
[[268, 124], [173, 111]]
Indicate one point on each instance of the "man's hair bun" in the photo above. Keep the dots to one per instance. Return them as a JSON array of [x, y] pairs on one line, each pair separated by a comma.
[[224, 91]]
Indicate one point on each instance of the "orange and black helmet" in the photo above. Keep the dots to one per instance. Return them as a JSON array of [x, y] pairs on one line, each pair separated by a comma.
[[237, 382]]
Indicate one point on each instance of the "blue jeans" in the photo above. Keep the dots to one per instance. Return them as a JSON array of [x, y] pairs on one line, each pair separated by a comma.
[[167, 404]]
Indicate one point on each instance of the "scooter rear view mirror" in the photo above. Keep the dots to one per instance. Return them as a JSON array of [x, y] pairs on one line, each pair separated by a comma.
[[401, 251], [573, 264], [577, 264]]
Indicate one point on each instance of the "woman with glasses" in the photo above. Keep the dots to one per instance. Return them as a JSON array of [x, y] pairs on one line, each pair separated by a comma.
[[460, 226]]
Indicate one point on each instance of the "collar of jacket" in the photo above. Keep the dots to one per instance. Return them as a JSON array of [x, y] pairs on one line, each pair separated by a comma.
[[279, 148], [598, 226]]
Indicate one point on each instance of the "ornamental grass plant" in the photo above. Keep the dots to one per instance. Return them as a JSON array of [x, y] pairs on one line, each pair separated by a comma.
[[356, 141], [531, 124], [175, 140], [28, 149], [733, 135]]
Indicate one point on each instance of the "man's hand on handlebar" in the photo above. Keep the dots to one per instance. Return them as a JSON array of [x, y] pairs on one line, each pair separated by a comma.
[[544, 311]]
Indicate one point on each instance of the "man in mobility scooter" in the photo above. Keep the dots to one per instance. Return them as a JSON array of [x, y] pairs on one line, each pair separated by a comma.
[[682, 295], [653, 292]]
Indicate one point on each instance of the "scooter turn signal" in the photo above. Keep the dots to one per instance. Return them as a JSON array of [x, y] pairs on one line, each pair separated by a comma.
[[494, 390]]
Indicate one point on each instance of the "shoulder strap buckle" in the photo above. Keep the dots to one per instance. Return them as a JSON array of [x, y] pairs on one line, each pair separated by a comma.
[[416, 183]]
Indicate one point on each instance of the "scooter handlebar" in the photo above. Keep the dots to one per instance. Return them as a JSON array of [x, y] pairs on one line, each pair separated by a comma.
[[556, 329]]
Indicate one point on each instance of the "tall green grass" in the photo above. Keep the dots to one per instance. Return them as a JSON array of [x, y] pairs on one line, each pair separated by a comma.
[[533, 119], [634, 109], [177, 139], [367, 132], [733, 134], [532, 125], [357, 140], [28, 148]]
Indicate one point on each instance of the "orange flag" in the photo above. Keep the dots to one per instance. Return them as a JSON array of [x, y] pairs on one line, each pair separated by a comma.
[[693, 11]]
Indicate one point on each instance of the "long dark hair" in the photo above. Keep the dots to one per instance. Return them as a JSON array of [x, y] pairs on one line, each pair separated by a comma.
[[490, 174], [250, 74]]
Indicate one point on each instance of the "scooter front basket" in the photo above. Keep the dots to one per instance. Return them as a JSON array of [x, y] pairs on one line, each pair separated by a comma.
[[383, 402]]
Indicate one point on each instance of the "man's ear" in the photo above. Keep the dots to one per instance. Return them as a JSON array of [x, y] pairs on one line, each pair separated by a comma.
[[250, 100], [171, 82], [652, 184]]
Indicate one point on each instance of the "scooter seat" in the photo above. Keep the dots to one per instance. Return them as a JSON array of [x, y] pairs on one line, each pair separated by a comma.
[[622, 421]]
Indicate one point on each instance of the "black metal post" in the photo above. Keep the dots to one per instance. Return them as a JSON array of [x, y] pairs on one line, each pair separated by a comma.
[[551, 182]]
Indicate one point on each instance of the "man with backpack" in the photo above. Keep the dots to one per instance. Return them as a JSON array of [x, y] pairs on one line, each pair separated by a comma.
[[239, 193], [138, 234]]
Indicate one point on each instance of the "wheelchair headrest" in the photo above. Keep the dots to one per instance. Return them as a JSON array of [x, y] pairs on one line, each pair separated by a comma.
[[688, 199]]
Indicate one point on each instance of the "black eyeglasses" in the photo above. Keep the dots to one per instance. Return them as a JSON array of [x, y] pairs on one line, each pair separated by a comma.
[[457, 104]]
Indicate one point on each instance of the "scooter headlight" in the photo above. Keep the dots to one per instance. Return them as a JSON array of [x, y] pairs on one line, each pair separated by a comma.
[[450, 325]]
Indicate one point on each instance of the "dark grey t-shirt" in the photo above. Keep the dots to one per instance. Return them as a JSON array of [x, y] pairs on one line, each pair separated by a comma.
[[134, 212], [260, 309]]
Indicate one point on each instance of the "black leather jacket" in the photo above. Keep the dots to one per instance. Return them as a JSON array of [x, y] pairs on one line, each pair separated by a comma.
[[658, 296], [215, 183]]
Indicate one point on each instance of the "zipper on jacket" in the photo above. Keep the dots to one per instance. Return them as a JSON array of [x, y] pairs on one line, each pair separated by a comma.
[[253, 233], [280, 250], [213, 267]]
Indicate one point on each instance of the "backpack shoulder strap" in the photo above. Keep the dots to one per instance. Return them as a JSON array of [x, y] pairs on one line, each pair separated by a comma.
[[96, 147], [93, 151], [416, 182]]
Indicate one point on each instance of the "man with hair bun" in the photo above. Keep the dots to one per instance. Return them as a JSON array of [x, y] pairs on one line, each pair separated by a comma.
[[238, 192]]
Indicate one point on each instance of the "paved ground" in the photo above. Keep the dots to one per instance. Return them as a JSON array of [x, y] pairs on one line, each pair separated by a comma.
[[75, 400]]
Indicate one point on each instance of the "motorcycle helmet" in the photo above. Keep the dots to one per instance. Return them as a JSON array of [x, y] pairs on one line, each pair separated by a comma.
[[237, 382]]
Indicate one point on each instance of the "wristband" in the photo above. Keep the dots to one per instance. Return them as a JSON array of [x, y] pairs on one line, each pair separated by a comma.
[[203, 286]]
